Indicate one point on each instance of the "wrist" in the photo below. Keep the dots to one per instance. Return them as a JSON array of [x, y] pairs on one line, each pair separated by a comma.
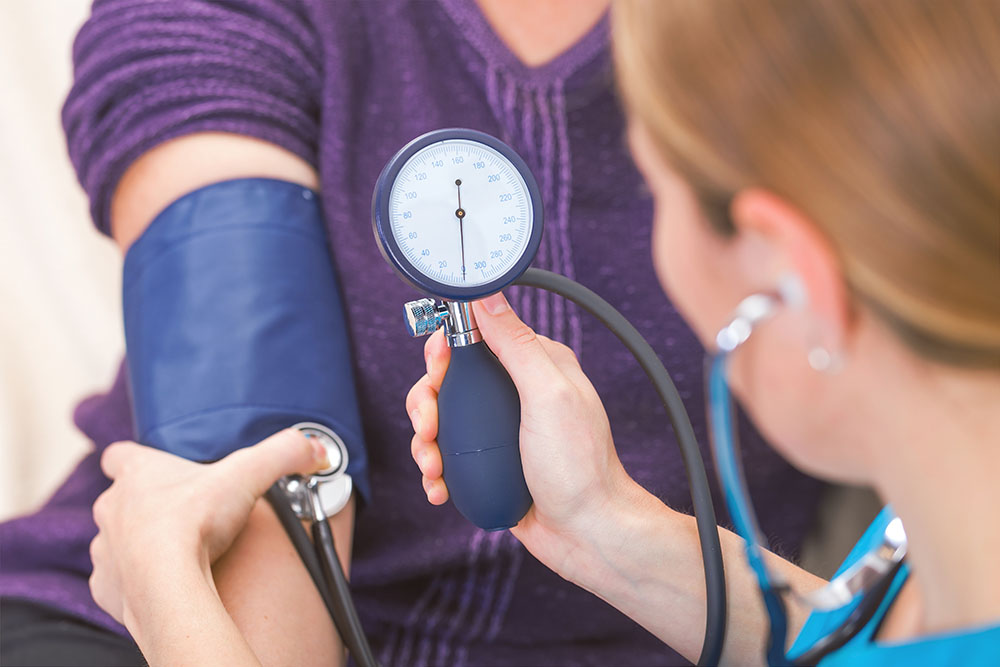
[[157, 595], [614, 555]]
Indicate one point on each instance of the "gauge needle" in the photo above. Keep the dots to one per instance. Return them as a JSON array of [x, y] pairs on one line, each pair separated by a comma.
[[460, 214]]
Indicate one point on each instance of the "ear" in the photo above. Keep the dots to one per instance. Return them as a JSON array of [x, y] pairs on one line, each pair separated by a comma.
[[777, 239]]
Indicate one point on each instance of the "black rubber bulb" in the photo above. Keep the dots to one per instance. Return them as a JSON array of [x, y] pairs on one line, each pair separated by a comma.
[[478, 433]]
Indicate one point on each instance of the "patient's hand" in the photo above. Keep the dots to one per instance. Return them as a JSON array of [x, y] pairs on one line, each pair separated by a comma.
[[569, 459], [165, 519]]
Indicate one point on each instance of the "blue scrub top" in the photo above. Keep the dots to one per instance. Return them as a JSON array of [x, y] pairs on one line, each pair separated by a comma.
[[976, 646]]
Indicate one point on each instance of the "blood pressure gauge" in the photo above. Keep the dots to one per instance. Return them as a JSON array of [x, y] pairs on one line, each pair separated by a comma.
[[458, 215]]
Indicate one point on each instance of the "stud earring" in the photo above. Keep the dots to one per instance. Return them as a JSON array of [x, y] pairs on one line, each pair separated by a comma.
[[823, 361]]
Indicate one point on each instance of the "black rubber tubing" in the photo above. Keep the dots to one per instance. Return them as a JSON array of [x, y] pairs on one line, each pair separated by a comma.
[[333, 573], [701, 495], [320, 559]]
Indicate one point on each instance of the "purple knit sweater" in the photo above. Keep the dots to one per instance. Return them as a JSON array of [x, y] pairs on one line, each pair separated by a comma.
[[344, 85]]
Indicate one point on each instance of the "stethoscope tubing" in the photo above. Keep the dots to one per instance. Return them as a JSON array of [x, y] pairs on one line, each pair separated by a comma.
[[319, 556], [725, 451]]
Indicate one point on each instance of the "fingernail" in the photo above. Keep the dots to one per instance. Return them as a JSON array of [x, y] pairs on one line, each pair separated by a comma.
[[319, 454], [415, 419], [495, 303]]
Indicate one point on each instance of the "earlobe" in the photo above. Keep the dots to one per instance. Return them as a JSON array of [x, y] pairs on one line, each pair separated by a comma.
[[793, 295]]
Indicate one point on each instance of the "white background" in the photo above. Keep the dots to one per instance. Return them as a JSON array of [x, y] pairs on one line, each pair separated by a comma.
[[60, 328]]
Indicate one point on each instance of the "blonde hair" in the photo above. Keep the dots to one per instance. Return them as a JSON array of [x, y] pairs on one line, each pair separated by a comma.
[[879, 119]]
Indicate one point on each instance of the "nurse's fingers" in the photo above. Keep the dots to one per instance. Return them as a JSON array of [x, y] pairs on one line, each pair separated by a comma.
[[437, 354], [563, 357], [422, 407], [566, 361], [117, 456], [286, 452], [437, 492], [427, 456], [516, 346]]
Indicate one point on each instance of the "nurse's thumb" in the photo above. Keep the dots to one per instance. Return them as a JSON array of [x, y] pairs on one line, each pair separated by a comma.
[[286, 452], [515, 344]]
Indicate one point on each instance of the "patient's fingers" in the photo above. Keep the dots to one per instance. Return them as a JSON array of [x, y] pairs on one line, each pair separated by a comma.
[[427, 456]]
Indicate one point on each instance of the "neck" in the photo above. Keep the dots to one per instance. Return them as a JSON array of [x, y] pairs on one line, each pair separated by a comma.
[[940, 476], [538, 31]]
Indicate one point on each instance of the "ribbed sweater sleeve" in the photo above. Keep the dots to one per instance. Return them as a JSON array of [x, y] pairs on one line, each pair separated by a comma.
[[146, 71]]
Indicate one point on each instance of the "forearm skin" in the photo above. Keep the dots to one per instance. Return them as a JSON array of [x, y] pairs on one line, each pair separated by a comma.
[[647, 563]]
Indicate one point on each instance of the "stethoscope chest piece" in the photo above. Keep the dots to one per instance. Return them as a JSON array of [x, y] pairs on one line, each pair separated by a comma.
[[326, 492]]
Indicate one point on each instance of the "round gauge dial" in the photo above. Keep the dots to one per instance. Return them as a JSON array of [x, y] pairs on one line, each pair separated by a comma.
[[458, 214]]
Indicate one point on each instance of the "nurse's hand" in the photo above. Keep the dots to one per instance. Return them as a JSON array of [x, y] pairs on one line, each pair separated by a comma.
[[568, 456], [165, 519]]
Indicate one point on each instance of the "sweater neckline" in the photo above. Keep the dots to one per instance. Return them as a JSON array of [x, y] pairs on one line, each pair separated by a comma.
[[476, 29]]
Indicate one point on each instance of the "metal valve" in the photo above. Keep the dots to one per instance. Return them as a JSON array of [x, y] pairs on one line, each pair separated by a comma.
[[424, 316]]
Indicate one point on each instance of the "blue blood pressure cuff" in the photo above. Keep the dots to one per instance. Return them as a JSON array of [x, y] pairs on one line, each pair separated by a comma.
[[234, 324]]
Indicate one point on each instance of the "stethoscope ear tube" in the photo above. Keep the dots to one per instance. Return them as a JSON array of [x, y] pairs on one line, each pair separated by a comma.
[[725, 451], [871, 576]]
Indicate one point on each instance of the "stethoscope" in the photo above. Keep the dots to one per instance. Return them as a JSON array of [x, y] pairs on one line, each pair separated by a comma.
[[870, 577], [315, 499]]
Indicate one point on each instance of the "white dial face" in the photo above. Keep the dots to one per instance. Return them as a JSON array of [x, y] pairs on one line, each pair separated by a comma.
[[460, 212]]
